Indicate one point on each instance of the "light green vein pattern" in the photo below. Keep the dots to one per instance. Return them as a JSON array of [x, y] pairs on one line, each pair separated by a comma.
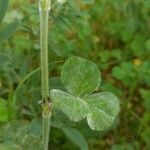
[[100, 109], [80, 76]]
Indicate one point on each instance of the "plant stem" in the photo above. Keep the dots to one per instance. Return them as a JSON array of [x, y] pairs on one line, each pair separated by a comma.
[[46, 124], [44, 8], [44, 52], [46, 130]]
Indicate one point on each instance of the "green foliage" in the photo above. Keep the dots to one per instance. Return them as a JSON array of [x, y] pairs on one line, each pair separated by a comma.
[[4, 59], [3, 110], [36, 127], [76, 137], [123, 147], [74, 108], [6, 32], [81, 77], [88, 1], [114, 34], [145, 94], [126, 73], [16, 135], [3, 8], [129, 73]]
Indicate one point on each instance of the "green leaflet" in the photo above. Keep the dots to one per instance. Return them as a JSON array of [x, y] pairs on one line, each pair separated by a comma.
[[100, 109], [81, 77], [36, 127], [73, 107], [3, 110], [4, 59], [3, 8], [60, 120], [7, 31]]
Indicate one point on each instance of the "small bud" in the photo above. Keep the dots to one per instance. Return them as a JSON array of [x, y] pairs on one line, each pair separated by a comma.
[[44, 4]]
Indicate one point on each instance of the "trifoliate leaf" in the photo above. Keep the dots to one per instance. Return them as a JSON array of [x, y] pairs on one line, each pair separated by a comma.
[[80, 76]]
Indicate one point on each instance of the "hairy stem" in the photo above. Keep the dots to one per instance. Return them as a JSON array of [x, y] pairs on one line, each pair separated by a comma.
[[46, 124], [44, 8], [44, 53], [46, 130]]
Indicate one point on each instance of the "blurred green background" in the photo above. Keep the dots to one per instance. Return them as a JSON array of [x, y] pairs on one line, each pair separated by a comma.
[[114, 34]]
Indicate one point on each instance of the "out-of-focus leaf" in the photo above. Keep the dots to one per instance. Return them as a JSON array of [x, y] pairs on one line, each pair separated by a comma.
[[3, 8], [147, 45], [138, 45], [56, 83], [145, 72], [75, 136], [126, 73], [146, 135], [3, 110], [60, 120], [110, 87], [88, 1], [145, 94], [4, 59], [17, 135], [7, 31], [122, 147]]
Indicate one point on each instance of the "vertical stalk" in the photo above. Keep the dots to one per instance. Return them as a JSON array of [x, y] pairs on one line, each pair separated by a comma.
[[44, 51], [44, 8], [46, 124]]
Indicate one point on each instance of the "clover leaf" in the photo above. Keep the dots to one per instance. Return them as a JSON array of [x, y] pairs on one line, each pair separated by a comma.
[[81, 77]]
